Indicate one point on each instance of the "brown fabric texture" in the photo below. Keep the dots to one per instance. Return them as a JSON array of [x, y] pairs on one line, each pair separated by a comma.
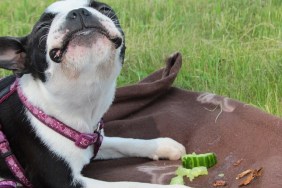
[[202, 122]]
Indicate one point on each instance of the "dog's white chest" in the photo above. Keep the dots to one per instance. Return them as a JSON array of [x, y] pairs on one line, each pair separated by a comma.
[[61, 146]]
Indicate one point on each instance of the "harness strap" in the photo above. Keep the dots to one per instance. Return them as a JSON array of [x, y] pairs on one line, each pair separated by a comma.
[[12, 163], [6, 93], [6, 153], [8, 184]]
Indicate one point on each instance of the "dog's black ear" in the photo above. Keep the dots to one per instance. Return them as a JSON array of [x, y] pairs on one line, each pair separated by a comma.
[[13, 54]]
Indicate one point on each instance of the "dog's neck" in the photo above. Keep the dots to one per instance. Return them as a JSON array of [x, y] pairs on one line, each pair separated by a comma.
[[78, 104]]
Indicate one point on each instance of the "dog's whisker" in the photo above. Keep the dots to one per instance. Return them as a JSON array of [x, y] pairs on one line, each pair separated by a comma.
[[46, 27], [43, 38], [112, 16]]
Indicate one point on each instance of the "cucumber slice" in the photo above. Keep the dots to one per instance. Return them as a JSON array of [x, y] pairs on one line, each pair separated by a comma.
[[190, 161], [197, 171], [190, 173], [177, 180], [182, 171]]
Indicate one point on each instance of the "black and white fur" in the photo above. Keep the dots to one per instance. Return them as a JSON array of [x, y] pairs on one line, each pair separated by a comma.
[[68, 67]]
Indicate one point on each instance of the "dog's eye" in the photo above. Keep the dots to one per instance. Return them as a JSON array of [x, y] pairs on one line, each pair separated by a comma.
[[42, 26], [105, 10]]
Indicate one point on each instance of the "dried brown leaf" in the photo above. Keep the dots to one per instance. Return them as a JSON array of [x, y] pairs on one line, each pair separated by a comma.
[[248, 180], [242, 174], [237, 163], [219, 183], [251, 176], [258, 172]]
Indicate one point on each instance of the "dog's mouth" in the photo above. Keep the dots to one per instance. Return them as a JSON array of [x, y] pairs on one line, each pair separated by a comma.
[[81, 37]]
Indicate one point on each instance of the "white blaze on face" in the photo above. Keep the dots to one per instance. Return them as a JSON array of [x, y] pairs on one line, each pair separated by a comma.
[[66, 6]]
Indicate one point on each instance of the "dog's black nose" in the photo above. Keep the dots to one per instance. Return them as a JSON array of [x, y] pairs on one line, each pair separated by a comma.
[[74, 14]]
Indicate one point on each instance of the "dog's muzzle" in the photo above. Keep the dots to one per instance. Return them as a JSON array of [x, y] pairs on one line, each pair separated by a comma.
[[79, 21]]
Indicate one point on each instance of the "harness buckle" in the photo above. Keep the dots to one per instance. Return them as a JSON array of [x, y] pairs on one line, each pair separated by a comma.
[[85, 140], [6, 154]]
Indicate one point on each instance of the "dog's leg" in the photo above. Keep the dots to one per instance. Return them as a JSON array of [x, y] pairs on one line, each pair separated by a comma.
[[92, 183], [159, 148]]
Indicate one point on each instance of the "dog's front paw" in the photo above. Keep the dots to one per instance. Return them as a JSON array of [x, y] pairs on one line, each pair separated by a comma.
[[168, 148]]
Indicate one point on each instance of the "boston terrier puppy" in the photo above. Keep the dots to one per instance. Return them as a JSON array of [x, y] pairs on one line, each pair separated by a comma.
[[65, 75]]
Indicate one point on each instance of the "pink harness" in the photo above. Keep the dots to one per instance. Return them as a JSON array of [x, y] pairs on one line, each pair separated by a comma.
[[82, 140]]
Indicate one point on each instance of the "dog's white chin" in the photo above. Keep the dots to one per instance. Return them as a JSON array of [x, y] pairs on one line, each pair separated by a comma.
[[84, 44], [96, 56]]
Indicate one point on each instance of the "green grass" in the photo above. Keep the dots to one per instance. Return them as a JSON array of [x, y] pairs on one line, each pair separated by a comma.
[[229, 47]]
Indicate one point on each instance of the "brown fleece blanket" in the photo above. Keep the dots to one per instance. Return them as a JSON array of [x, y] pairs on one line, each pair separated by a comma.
[[202, 122]]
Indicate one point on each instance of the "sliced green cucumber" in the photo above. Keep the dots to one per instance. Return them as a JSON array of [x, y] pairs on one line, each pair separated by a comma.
[[190, 161], [197, 171], [177, 180], [190, 173], [182, 171]]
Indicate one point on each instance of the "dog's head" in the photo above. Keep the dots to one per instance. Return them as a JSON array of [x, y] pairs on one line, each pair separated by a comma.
[[72, 39]]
